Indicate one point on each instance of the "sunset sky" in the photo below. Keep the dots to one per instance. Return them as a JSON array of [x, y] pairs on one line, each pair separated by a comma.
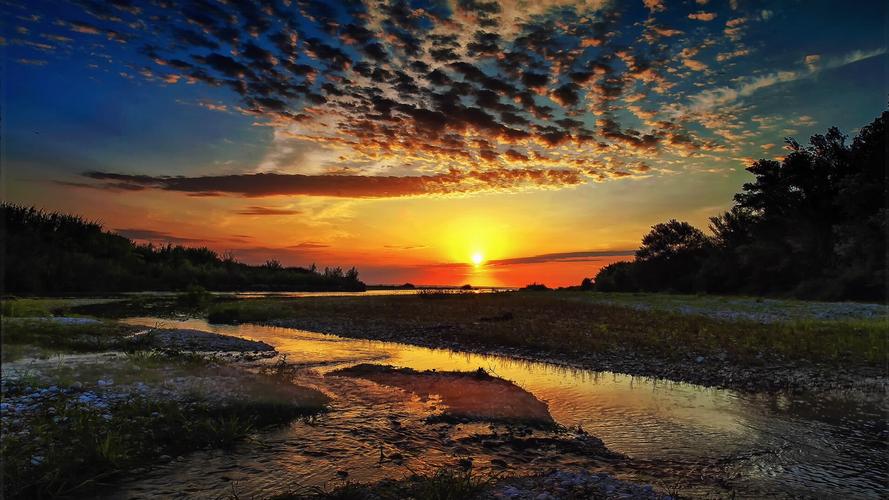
[[541, 138]]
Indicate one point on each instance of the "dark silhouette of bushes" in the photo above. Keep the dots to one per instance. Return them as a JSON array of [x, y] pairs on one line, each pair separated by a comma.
[[813, 226], [535, 287], [51, 253]]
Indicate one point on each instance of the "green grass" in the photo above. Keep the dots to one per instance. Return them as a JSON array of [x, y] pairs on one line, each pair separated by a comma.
[[13, 307], [558, 323], [24, 336], [20, 308]]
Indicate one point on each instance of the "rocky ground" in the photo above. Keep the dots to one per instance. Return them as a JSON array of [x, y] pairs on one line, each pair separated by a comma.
[[756, 309], [198, 341], [71, 421], [574, 484]]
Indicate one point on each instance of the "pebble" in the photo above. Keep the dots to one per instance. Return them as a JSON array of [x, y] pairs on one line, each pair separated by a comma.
[[582, 484]]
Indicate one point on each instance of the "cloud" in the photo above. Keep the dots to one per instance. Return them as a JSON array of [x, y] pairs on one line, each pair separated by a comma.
[[405, 247], [308, 245], [854, 57], [725, 56], [579, 256], [702, 16], [347, 186], [31, 62], [154, 236], [654, 5], [370, 99], [721, 96], [694, 65], [257, 210], [583, 256]]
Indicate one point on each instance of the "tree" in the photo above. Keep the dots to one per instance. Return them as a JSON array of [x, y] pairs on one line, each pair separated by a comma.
[[670, 257], [672, 240], [813, 225]]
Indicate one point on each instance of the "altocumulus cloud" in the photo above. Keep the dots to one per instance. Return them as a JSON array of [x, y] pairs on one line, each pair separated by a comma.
[[464, 96]]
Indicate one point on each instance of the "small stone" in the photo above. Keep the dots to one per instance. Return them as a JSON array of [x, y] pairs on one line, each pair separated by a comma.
[[699, 359]]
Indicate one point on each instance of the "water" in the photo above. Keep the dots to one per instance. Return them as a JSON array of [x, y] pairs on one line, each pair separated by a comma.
[[755, 445], [366, 293]]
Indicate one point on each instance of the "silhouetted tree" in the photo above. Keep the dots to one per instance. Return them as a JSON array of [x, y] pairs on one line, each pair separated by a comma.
[[812, 225], [47, 253], [670, 257]]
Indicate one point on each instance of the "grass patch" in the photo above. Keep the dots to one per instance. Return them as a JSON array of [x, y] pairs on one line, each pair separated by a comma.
[[49, 336], [67, 447], [21, 308], [552, 323], [61, 439], [14, 307], [447, 483]]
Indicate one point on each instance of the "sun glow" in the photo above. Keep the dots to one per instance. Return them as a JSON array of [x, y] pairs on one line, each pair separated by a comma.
[[477, 259]]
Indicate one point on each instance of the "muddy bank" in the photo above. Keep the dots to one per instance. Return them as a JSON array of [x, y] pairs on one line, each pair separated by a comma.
[[709, 371], [466, 396]]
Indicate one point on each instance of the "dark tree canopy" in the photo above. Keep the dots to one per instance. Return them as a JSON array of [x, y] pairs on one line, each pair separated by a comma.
[[813, 225], [671, 240], [47, 253]]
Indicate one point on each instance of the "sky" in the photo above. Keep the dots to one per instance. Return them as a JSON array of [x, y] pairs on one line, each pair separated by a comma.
[[451, 142]]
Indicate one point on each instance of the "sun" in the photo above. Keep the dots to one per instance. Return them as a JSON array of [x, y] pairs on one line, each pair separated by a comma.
[[477, 259]]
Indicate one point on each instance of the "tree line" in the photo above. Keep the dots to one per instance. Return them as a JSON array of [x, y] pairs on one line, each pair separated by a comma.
[[52, 253], [813, 225]]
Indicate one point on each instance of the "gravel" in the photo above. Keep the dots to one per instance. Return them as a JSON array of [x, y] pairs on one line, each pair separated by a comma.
[[196, 340], [574, 484]]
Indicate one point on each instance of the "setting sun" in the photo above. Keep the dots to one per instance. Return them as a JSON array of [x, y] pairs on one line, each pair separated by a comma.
[[477, 259]]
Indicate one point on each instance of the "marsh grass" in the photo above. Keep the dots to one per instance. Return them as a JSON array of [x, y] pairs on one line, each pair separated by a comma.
[[47, 336], [17, 307], [446, 483], [551, 322]]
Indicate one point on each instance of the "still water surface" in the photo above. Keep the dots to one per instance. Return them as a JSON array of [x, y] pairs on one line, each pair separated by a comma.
[[833, 446]]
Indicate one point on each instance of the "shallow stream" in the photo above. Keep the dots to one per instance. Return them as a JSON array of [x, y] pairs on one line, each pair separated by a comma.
[[696, 440]]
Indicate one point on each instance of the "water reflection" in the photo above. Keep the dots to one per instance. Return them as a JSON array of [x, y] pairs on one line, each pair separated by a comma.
[[763, 445]]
